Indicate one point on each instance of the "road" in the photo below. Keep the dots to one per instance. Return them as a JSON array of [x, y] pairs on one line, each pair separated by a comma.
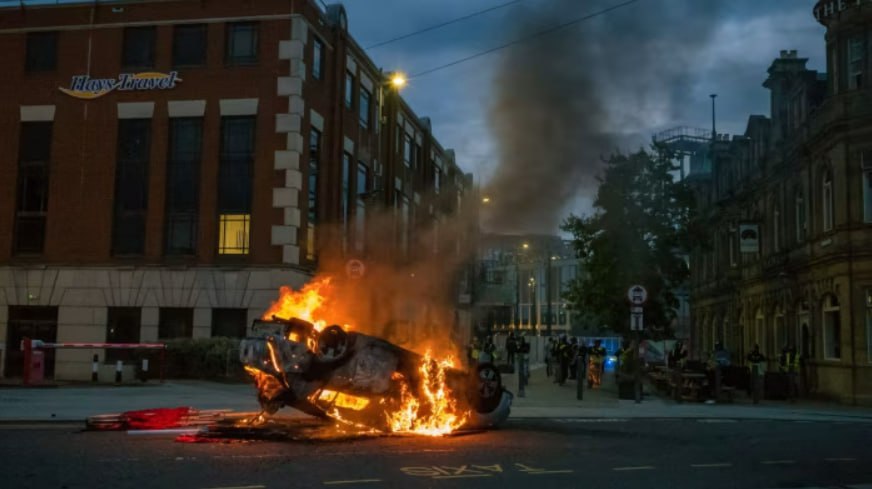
[[583, 452]]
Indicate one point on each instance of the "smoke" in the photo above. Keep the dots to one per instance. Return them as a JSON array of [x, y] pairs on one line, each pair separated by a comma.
[[566, 100]]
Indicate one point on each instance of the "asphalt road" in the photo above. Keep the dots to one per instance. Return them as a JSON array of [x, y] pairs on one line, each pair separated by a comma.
[[605, 453]]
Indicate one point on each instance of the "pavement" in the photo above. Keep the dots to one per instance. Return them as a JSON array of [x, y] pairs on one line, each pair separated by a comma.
[[543, 399]]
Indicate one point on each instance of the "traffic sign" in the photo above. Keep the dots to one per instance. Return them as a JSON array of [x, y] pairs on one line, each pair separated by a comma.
[[355, 269], [637, 295]]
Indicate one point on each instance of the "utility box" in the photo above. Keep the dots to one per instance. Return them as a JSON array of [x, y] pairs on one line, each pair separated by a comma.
[[36, 369]]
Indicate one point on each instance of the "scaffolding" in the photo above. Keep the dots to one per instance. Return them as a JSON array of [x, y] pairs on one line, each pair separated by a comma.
[[690, 147]]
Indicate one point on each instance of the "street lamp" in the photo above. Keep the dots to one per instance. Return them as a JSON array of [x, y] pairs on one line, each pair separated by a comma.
[[398, 80], [485, 200]]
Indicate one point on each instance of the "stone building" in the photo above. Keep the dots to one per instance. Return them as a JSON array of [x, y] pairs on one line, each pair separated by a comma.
[[789, 205]]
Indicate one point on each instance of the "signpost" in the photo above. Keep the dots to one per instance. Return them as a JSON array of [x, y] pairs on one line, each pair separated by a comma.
[[637, 295]]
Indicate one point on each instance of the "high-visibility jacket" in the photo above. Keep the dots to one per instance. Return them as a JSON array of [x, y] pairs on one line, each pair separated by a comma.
[[789, 362]]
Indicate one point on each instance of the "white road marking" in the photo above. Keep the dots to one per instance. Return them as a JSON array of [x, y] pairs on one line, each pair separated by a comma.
[[711, 466], [592, 420], [358, 481], [639, 467], [778, 462], [466, 476], [716, 420], [567, 471]]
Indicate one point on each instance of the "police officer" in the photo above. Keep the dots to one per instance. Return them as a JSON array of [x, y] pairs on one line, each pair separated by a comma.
[[757, 363], [788, 363]]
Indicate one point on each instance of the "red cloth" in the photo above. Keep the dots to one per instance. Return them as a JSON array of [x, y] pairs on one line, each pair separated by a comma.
[[156, 419]]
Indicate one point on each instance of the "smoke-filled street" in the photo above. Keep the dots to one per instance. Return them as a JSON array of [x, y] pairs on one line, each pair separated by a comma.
[[605, 452]]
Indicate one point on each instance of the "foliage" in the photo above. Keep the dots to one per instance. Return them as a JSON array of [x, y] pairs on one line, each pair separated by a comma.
[[637, 234], [200, 358]]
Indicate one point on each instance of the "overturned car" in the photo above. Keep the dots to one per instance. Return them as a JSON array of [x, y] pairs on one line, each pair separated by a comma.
[[367, 382]]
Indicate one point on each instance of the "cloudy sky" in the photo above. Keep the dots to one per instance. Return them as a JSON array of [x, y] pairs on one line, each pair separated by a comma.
[[643, 68]]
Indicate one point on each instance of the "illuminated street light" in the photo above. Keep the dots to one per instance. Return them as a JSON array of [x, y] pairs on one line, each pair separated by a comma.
[[525, 246], [485, 200], [398, 80]]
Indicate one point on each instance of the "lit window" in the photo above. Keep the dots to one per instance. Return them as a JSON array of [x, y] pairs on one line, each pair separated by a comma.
[[233, 234]]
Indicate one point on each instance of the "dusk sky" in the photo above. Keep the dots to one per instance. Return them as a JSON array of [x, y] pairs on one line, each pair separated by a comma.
[[743, 37]]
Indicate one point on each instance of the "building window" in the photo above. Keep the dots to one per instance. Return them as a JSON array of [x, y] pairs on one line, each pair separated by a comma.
[[776, 229], [403, 224], [360, 210], [175, 322], [866, 165], [437, 179], [234, 184], [869, 325], [760, 332], [314, 155], [349, 90], [131, 186], [183, 185], [827, 201], [229, 323], [138, 49], [317, 59], [856, 61], [407, 150], [34, 153], [732, 244], [122, 326], [42, 51], [833, 78], [242, 42], [832, 329], [344, 197], [801, 221], [365, 98], [189, 45]]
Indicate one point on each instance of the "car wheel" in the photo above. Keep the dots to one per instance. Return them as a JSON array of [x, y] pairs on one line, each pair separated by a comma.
[[332, 344], [488, 388]]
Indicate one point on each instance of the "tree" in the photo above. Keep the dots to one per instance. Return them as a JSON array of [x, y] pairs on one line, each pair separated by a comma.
[[638, 233]]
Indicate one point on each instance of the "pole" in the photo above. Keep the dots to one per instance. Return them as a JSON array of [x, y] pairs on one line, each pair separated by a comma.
[[118, 366], [520, 362], [144, 370], [163, 356], [581, 364], [637, 374], [714, 133], [95, 366], [548, 293], [27, 349]]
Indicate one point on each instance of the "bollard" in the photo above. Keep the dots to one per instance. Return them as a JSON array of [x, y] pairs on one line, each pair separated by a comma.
[[118, 366], [95, 365], [521, 392], [144, 376], [580, 374]]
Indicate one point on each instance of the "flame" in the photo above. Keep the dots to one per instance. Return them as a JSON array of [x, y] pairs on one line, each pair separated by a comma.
[[305, 304], [434, 411]]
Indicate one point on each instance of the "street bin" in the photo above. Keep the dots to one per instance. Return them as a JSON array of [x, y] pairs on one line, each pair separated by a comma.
[[36, 368]]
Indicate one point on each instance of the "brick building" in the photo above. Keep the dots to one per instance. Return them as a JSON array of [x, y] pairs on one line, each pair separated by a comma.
[[789, 206], [166, 165]]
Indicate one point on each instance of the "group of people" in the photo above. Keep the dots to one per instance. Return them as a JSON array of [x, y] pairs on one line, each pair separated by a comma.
[[562, 357]]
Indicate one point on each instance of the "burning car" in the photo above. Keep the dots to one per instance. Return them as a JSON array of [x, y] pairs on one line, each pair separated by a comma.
[[367, 382]]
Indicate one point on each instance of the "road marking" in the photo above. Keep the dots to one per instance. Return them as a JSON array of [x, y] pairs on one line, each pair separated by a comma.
[[239, 487], [778, 462], [552, 472], [841, 459], [716, 420], [592, 420], [711, 466], [639, 467], [358, 481], [460, 476]]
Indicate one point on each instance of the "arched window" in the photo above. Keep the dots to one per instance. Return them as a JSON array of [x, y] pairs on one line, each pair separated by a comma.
[[832, 328], [827, 200], [779, 330], [759, 331]]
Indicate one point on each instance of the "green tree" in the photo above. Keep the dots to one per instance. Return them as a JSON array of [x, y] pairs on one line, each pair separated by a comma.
[[638, 233]]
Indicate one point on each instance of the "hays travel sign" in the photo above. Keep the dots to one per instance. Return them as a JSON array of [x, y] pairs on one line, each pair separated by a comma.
[[87, 88]]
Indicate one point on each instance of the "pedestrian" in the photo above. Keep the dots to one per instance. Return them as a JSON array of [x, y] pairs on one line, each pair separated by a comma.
[[549, 357], [474, 350], [488, 351], [757, 365], [788, 363], [595, 365], [718, 360], [573, 357], [563, 356], [511, 349], [523, 358]]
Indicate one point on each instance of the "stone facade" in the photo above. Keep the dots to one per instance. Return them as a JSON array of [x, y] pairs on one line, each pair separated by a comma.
[[800, 181]]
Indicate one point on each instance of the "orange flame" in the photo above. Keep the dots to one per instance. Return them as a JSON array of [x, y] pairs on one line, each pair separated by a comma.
[[434, 412], [305, 304]]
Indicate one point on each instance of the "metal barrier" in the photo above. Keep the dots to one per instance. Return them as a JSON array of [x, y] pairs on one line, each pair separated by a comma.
[[31, 349]]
